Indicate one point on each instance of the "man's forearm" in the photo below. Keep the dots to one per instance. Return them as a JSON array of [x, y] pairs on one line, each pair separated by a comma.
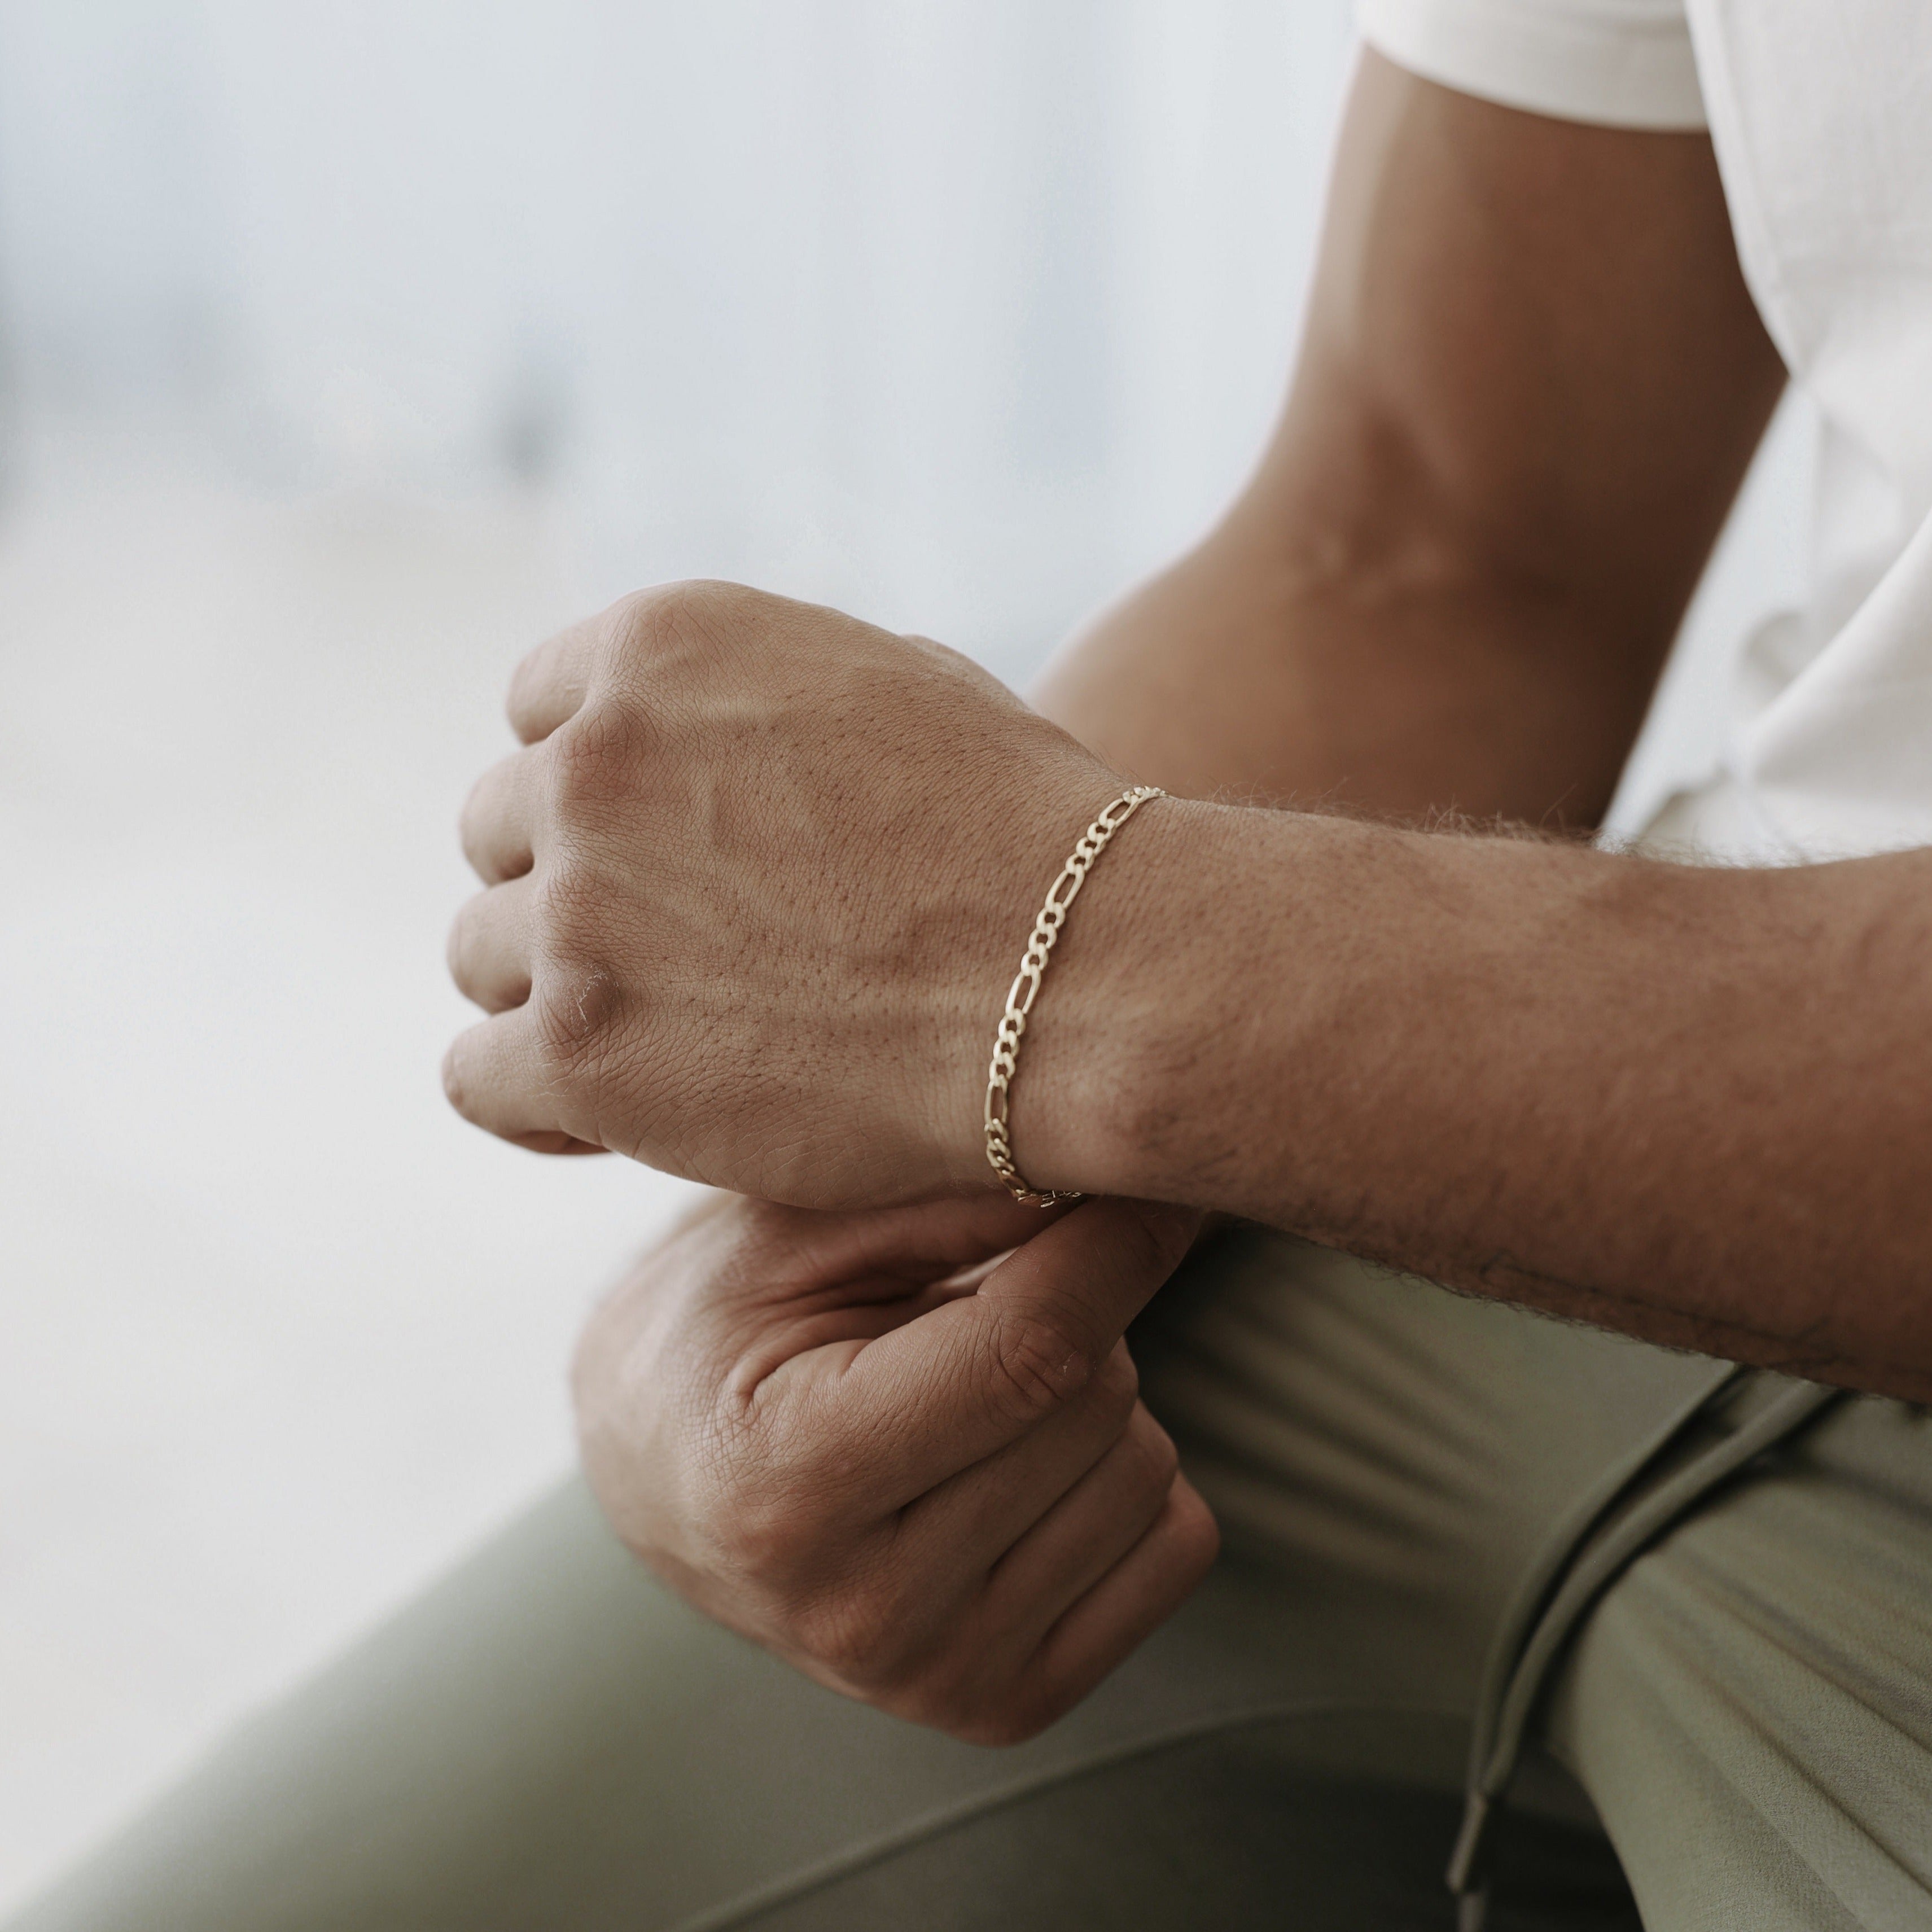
[[1693, 1106], [1530, 379], [1289, 661]]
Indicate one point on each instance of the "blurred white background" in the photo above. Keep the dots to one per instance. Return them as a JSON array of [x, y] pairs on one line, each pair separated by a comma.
[[345, 349]]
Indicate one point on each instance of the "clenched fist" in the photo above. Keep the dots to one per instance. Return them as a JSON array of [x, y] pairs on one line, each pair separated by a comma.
[[756, 887], [916, 1470]]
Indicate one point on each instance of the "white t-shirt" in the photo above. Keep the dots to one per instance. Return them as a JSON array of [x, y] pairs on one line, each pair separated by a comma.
[[1821, 113]]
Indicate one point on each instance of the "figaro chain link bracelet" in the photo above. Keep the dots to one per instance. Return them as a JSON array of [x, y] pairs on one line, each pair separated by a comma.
[[1025, 989]]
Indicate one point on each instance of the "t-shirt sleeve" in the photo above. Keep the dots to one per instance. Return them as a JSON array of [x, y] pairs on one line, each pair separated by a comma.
[[1620, 63]]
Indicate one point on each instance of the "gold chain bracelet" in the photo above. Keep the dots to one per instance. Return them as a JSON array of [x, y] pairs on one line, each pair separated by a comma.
[[1025, 989]]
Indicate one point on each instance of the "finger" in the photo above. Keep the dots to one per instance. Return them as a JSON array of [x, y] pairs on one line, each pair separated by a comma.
[[489, 1075], [917, 1259], [939, 1394], [499, 819], [547, 688], [1122, 1611], [489, 949], [1060, 1303], [1083, 1536], [964, 1527], [949, 1239]]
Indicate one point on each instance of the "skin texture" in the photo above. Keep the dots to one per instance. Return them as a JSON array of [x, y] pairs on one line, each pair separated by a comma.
[[757, 884]]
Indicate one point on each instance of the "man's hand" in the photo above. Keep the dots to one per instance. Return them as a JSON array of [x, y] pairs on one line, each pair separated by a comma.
[[756, 886], [925, 1481]]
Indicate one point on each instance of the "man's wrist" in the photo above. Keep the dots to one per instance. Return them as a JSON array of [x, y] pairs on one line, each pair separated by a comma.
[[1161, 956]]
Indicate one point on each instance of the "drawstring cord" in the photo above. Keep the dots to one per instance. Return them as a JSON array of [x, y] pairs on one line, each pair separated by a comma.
[[1639, 1497]]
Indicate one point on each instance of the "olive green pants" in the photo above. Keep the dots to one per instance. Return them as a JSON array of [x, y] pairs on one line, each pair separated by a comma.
[[549, 1740]]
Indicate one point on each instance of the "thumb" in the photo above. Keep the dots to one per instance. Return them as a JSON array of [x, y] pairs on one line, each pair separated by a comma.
[[1059, 1304], [939, 1394]]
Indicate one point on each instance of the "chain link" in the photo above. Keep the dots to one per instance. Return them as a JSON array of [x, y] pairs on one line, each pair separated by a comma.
[[1025, 989]]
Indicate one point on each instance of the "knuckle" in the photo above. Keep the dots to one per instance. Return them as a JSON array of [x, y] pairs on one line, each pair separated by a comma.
[[1116, 1387], [758, 1519], [576, 1000], [574, 1010], [1157, 1460], [1114, 1410], [566, 900], [689, 625], [684, 604], [1033, 1362], [590, 758], [860, 1632], [759, 1541], [650, 626], [659, 606]]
